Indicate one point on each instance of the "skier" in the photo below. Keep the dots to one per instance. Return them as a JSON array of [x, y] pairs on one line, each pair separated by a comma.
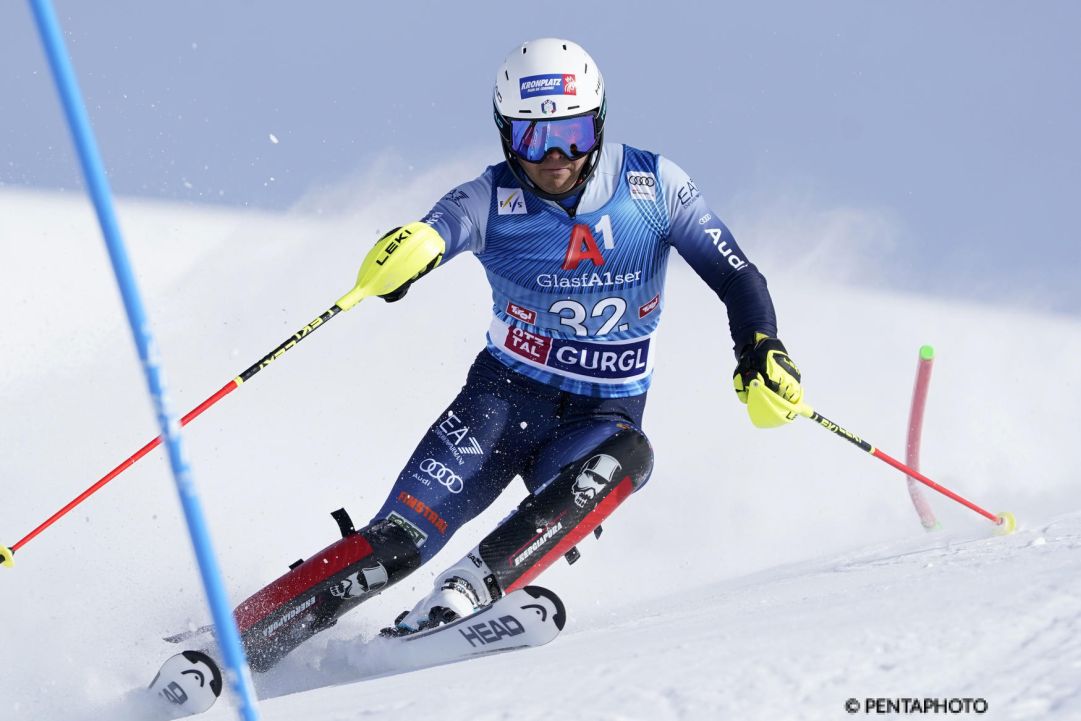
[[574, 235]]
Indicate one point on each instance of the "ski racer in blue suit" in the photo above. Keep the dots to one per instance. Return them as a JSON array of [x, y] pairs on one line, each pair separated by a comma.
[[574, 235]]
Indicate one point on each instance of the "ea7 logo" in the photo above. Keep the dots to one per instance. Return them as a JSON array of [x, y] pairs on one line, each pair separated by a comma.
[[492, 631], [456, 196], [509, 201], [456, 435], [687, 192]]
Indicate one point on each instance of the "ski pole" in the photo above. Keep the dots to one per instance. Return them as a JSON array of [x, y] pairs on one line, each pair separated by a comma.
[[373, 279], [191, 415], [1005, 519]]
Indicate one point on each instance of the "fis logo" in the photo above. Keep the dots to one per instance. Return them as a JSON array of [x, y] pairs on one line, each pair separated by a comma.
[[510, 201]]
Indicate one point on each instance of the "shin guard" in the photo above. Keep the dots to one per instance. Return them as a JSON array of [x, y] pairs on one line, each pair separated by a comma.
[[551, 522], [316, 592]]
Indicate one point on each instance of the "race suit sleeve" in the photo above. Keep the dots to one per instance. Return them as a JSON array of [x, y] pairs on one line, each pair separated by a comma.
[[461, 216], [708, 246]]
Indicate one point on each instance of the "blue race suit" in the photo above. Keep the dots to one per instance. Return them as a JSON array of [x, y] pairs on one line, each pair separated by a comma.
[[577, 297]]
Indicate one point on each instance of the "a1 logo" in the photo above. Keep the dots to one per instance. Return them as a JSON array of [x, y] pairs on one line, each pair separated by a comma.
[[583, 246]]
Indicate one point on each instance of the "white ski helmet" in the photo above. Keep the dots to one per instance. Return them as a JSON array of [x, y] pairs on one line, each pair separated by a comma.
[[549, 95]]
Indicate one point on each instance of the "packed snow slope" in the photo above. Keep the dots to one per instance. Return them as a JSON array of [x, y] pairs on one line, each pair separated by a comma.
[[759, 575]]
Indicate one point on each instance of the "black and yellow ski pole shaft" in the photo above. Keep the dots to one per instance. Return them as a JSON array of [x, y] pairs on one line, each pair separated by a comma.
[[416, 249], [1004, 520]]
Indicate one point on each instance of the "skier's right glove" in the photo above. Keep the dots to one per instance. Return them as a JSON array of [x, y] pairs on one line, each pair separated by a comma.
[[764, 374], [400, 292], [396, 261]]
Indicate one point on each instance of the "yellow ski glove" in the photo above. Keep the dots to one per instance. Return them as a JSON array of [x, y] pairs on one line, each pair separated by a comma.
[[398, 259], [767, 361]]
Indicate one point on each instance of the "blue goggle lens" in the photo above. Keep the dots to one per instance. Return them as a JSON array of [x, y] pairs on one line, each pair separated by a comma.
[[532, 139]]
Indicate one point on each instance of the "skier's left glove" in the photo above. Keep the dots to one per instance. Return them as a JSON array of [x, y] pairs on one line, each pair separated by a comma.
[[766, 360]]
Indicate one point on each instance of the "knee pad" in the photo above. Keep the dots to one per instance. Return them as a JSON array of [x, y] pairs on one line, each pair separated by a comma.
[[565, 510], [624, 455]]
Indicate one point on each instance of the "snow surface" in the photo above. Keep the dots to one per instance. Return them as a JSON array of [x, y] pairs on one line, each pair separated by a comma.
[[759, 575]]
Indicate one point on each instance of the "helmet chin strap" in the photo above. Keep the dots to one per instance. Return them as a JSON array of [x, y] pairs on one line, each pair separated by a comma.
[[583, 175]]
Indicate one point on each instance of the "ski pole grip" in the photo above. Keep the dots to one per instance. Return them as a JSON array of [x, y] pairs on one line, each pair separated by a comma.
[[353, 297], [776, 399], [398, 258], [7, 557]]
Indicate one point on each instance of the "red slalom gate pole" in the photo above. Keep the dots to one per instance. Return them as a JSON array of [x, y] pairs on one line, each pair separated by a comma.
[[915, 431]]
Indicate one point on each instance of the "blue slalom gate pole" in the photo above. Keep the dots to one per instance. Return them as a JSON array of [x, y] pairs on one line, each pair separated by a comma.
[[236, 665]]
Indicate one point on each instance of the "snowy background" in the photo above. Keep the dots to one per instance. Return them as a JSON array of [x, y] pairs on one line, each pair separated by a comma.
[[760, 574], [957, 121]]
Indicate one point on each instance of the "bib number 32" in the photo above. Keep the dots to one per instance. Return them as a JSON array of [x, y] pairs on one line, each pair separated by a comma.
[[611, 309]]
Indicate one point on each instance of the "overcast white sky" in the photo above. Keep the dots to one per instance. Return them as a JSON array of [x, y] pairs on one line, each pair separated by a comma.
[[958, 121]]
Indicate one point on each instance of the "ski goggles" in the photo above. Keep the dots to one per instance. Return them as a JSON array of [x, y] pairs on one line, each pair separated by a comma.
[[574, 137]]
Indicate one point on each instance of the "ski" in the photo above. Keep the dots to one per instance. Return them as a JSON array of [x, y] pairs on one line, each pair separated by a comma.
[[190, 682], [186, 635], [531, 616]]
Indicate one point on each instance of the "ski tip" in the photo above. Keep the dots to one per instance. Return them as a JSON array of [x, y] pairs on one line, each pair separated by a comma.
[[189, 682], [927, 353], [189, 634], [559, 611], [197, 657], [1006, 524], [7, 557]]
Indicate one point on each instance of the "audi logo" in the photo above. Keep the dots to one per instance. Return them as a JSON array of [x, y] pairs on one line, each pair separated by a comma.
[[444, 475], [647, 181]]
